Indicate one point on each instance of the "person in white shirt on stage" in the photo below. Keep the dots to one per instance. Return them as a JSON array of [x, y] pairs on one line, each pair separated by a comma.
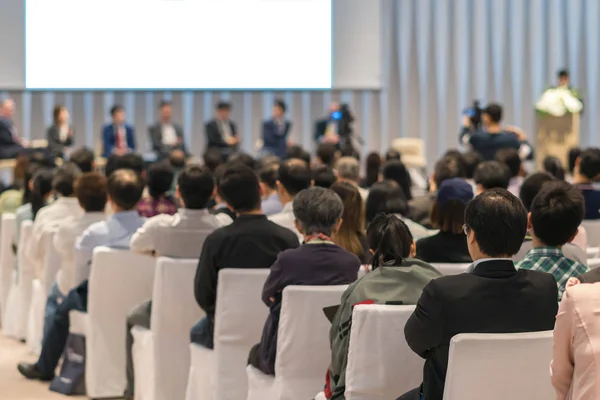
[[221, 132], [91, 192], [117, 137], [166, 136], [181, 235], [294, 175]]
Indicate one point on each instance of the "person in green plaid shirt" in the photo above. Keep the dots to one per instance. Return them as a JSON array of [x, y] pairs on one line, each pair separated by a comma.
[[555, 215]]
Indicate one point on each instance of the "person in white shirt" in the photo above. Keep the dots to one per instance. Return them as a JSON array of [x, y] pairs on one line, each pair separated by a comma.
[[49, 217], [91, 192], [348, 170], [181, 236], [166, 135], [294, 175]]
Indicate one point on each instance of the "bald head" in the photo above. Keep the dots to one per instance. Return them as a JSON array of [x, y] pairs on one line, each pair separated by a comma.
[[125, 189], [7, 108]]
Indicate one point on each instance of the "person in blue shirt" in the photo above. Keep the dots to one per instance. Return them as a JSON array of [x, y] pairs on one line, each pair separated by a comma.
[[124, 190], [267, 176], [492, 137], [275, 132], [118, 137]]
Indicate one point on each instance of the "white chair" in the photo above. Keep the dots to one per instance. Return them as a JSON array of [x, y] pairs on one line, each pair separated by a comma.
[[381, 366], [303, 350], [593, 263], [161, 355], [451, 269], [7, 259], [119, 280], [592, 228], [592, 252], [499, 366], [412, 151], [239, 320]]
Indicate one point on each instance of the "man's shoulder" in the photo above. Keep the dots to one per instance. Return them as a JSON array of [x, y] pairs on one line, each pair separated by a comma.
[[159, 221]]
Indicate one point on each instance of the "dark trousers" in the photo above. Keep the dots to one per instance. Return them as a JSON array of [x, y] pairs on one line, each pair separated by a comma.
[[138, 316], [202, 333], [58, 330], [414, 394]]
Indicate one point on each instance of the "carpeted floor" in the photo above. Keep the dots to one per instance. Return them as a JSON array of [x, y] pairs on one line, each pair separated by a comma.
[[12, 385]]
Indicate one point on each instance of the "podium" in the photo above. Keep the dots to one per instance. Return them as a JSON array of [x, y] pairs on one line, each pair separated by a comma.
[[555, 137]]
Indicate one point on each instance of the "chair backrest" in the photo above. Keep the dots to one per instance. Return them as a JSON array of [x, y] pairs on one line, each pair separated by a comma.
[[52, 261], [451, 269], [499, 366], [593, 263], [174, 312], [592, 228], [119, 280], [239, 320], [184, 243], [303, 349], [380, 363], [7, 256]]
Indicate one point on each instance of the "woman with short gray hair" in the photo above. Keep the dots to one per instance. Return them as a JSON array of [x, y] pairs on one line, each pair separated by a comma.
[[319, 261]]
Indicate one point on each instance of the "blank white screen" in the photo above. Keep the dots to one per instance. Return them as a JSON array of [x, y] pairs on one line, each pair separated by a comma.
[[178, 44]]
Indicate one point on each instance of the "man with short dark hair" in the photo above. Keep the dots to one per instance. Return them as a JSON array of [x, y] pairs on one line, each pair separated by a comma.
[[587, 179], [293, 176], [84, 159], [165, 135], [251, 241], [132, 161], [554, 219], [326, 153], [124, 191], [221, 132], [492, 136], [501, 299], [323, 177], [491, 175], [267, 176], [512, 160], [447, 167], [275, 132], [179, 236], [117, 137]]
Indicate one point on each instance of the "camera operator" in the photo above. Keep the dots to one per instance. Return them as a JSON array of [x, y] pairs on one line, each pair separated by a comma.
[[491, 136], [327, 129]]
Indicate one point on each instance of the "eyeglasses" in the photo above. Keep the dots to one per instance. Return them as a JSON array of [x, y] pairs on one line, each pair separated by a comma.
[[465, 229]]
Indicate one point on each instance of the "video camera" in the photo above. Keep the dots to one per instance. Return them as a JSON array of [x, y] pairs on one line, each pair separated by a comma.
[[474, 113]]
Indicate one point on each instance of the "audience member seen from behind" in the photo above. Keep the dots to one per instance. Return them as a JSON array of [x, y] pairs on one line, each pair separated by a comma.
[[448, 215], [510, 158], [348, 170], [420, 208], [501, 298], [372, 170], [554, 218], [60, 134], [299, 153], [587, 179], [397, 172], [124, 192], [530, 188], [323, 177], [387, 197], [251, 241], [319, 261], [11, 197], [554, 167], [326, 154], [491, 175], [574, 373], [84, 159], [212, 160], [351, 235], [293, 176], [179, 236], [574, 154], [268, 189], [220, 207], [392, 155], [160, 178], [397, 278], [471, 159]]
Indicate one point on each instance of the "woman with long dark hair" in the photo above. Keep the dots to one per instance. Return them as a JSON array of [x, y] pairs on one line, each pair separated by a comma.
[[397, 172], [373, 169], [351, 235], [396, 277]]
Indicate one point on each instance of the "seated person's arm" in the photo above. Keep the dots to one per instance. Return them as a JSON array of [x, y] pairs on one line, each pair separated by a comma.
[[205, 282], [423, 330], [63, 242], [563, 363], [144, 239], [275, 283]]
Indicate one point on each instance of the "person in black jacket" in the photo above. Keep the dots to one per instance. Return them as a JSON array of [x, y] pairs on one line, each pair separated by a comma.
[[221, 132], [492, 297], [10, 143], [251, 241], [60, 133]]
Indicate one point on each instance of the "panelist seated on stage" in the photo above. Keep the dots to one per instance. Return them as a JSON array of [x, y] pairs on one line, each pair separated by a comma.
[[117, 137], [221, 132], [60, 133], [327, 129], [275, 132], [10, 143], [492, 137], [166, 136]]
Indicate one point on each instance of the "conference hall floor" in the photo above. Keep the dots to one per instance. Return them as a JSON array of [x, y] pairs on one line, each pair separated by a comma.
[[12, 385]]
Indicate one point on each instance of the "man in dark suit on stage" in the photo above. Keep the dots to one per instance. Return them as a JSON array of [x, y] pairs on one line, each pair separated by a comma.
[[165, 135], [491, 297], [275, 132], [221, 132], [10, 143], [117, 137]]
